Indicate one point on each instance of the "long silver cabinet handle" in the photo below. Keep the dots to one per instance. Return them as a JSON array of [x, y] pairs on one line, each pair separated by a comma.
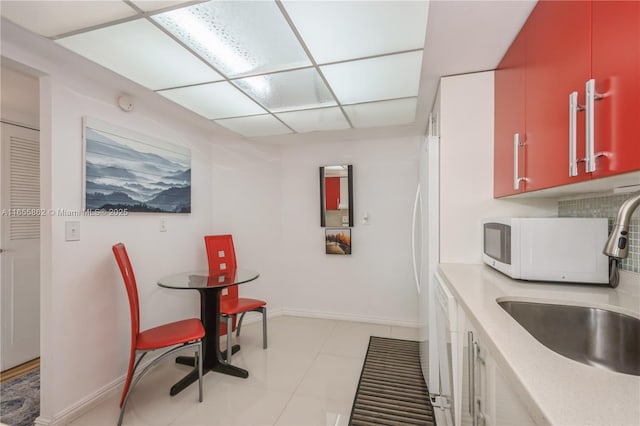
[[590, 97], [589, 148], [573, 118], [472, 383], [516, 174], [478, 414]]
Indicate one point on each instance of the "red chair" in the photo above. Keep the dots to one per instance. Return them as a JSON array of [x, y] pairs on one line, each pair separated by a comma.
[[186, 333], [222, 256]]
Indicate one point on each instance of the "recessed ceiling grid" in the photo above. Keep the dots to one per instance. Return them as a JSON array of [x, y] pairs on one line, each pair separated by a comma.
[[298, 82], [313, 61]]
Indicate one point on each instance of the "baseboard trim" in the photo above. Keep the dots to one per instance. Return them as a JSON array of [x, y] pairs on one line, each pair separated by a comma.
[[349, 317], [249, 319], [81, 407], [85, 404]]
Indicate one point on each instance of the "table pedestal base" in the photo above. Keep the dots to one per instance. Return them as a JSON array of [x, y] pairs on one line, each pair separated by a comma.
[[193, 375], [213, 358]]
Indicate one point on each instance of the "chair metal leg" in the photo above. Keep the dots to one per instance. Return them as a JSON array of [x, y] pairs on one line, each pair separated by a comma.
[[229, 334], [152, 363], [264, 327], [262, 309], [199, 358], [239, 324]]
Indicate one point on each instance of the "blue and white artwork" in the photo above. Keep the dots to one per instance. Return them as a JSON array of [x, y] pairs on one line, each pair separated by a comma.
[[125, 170]]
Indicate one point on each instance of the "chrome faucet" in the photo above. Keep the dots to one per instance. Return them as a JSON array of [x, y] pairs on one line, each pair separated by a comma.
[[617, 246]]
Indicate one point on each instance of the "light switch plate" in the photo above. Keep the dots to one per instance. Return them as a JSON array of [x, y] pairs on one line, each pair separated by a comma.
[[72, 231]]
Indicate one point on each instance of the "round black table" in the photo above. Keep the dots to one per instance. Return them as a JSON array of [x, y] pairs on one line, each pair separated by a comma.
[[209, 285]]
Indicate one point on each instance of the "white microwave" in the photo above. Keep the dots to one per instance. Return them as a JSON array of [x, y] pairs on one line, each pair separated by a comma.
[[547, 249]]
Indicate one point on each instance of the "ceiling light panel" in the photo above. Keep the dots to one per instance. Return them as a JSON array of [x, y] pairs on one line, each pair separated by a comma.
[[143, 53], [385, 113], [386, 77], [315, 119], [257, 125], [291, 90], [52, 18], [340, 30], [216, 100], [239, 38]]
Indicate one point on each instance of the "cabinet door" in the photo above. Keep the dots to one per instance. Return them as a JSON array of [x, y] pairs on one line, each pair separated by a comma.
[[508, 408], [557, 64], [616, 70], [509, 118]]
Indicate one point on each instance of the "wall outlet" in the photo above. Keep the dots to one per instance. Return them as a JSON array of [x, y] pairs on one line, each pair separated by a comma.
[[163, 225], [72, 231]]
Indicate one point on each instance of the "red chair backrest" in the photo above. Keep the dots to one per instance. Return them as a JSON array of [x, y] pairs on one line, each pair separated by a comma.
[[129, 278], [222, 257]]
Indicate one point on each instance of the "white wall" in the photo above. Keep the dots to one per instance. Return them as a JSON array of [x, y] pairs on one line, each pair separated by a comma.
[[246, 194], [375, 282], [466, 168], [85, 318], [20, 97]]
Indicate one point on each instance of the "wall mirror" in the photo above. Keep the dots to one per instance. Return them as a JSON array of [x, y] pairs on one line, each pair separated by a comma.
[[336, 196]]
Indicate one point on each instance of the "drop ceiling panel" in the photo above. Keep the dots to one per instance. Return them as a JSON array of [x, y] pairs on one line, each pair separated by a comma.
[[315, 119], [385, 113], [340, 30], [52, 18], [143, 53], [216, 100], [153, 5], [357, 45], [239, 38], [285, 91], [257, 125], [386, 77]]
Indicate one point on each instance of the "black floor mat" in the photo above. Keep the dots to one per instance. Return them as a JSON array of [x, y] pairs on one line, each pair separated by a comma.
[[392, 390]]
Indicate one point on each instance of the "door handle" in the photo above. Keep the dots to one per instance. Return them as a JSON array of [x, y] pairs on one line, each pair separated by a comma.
[[516, 175], [591, 96], [472, 385], [573, 112], [416, 205]]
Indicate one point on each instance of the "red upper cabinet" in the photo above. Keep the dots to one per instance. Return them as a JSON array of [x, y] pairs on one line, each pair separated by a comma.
[[579, 48], [557, 65], [509, 130], [615, 67], [332, 193]]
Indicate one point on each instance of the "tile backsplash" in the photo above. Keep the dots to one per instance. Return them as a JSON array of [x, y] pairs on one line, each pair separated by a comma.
[[607, 206]]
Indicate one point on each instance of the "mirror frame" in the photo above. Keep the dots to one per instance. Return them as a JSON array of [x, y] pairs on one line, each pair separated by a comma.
[[323, 210]]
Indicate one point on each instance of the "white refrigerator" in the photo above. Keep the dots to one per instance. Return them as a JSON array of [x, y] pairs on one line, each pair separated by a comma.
[[425, 245]]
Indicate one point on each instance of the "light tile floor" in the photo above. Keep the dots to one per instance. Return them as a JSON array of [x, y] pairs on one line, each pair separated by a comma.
[[307, 376]]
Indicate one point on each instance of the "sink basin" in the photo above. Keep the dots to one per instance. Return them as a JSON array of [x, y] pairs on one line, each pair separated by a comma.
[[592, 336]]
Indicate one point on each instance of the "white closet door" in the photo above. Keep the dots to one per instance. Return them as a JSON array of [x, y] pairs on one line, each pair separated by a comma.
[[20, 244]]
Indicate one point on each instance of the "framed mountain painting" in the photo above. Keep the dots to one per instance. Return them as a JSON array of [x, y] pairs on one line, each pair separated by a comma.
[[128, 171]]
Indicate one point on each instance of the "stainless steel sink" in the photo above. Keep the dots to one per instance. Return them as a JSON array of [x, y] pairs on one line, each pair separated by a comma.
[[592, 336]]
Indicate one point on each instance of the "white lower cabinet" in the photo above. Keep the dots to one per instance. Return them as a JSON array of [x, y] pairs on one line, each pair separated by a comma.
[[487, 396]]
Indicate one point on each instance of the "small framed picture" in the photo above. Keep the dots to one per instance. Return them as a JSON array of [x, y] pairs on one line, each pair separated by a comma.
[[337, 241]]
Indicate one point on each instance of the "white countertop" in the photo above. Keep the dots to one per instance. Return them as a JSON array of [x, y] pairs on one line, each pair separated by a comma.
[[559, 391]]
